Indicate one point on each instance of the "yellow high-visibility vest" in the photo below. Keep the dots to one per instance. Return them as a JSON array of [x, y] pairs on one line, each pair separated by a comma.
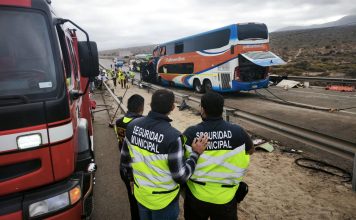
[[218, 174]]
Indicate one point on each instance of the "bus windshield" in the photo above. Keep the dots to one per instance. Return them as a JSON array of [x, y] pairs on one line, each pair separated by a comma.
[[252, 31], [26, 58]]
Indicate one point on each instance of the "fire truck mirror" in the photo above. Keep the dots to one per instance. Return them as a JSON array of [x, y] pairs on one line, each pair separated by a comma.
[[88, 59]]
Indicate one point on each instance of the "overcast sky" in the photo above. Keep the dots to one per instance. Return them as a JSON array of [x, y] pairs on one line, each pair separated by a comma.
[[124, 23]]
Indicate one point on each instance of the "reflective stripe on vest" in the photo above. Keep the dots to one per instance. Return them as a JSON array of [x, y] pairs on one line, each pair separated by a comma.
[[218, 174], [127, 120], [120, 132], [154, 185]]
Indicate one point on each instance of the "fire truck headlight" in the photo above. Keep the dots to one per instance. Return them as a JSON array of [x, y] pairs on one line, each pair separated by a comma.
[[29, 141], [49, 205]]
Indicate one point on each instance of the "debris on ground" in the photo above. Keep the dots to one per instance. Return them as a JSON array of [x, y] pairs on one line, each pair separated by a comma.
[[258, 141], [292, 151], [341, 88], [287, 84], [266, 146]]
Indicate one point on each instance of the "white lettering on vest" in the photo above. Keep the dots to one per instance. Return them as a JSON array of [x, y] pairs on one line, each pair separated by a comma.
[[217, 139], [144, 144]]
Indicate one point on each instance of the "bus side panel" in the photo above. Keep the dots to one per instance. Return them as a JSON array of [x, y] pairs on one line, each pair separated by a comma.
[[203, 64]]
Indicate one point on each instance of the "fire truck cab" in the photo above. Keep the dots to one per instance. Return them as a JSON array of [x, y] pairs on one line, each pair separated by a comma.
[[47, 161]]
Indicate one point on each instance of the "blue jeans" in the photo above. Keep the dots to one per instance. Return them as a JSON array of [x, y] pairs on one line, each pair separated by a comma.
[[171, 212]]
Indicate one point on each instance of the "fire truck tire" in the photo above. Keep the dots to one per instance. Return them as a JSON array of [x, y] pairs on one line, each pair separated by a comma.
[[159, 80]]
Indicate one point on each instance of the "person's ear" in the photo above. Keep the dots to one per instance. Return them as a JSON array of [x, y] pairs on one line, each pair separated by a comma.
[[202, 112], [173, 106], [141, 110]]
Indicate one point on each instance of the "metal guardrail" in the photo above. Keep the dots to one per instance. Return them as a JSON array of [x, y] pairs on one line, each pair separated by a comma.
[[315, 79], [323, 142]]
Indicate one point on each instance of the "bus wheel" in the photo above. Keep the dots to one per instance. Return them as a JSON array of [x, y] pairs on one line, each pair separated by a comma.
[[207, 85], [197, 86], [159, 81]]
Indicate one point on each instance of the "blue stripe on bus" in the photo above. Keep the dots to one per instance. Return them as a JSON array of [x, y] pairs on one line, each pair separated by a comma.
[[186, 79], [247, 86]]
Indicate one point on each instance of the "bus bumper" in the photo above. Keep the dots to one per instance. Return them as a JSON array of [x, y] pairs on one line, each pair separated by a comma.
[[247, 86]]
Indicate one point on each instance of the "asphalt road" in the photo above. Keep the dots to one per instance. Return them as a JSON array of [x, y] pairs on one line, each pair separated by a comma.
[[110, 198]]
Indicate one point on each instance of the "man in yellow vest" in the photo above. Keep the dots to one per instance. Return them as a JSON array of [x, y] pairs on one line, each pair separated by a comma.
[[216, 185], [113, 76], [135, 107], [122, 79], [155, 152]]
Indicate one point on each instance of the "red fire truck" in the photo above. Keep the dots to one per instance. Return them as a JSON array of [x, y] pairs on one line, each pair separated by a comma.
[[46, 147]]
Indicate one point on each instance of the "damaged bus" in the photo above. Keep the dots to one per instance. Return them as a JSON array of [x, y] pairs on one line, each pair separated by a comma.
[[229, 59]]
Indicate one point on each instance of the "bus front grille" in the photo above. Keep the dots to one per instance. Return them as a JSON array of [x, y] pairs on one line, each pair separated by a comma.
[[225, 80]]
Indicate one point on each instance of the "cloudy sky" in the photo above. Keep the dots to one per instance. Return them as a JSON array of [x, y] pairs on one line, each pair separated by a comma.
[[124, 23]]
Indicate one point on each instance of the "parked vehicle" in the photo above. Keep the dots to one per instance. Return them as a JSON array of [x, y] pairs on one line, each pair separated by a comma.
[[47, 162]]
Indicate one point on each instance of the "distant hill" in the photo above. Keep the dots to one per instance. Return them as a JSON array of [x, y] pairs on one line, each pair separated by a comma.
[[317, 52], [347, 20], [122, 52]]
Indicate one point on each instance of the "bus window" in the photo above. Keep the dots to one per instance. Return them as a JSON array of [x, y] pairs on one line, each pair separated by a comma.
[[178, 68], [212, 40], [252, 31], [179, 47], [188, 68]]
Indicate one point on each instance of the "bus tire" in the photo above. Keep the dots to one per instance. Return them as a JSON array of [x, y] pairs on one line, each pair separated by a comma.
[[171, 83], [207, 85], [197, 86], [159, 81]]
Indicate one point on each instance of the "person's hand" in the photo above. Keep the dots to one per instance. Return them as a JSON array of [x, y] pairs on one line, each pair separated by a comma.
[[199, 144]]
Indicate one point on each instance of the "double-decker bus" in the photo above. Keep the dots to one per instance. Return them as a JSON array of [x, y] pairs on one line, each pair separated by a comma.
[[232, 58]]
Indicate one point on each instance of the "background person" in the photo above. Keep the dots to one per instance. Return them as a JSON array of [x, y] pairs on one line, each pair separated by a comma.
[[135, 106], [122, 79], [114, 77]]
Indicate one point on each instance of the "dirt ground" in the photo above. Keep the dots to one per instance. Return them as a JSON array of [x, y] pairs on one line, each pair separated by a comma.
[[278, 188]]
